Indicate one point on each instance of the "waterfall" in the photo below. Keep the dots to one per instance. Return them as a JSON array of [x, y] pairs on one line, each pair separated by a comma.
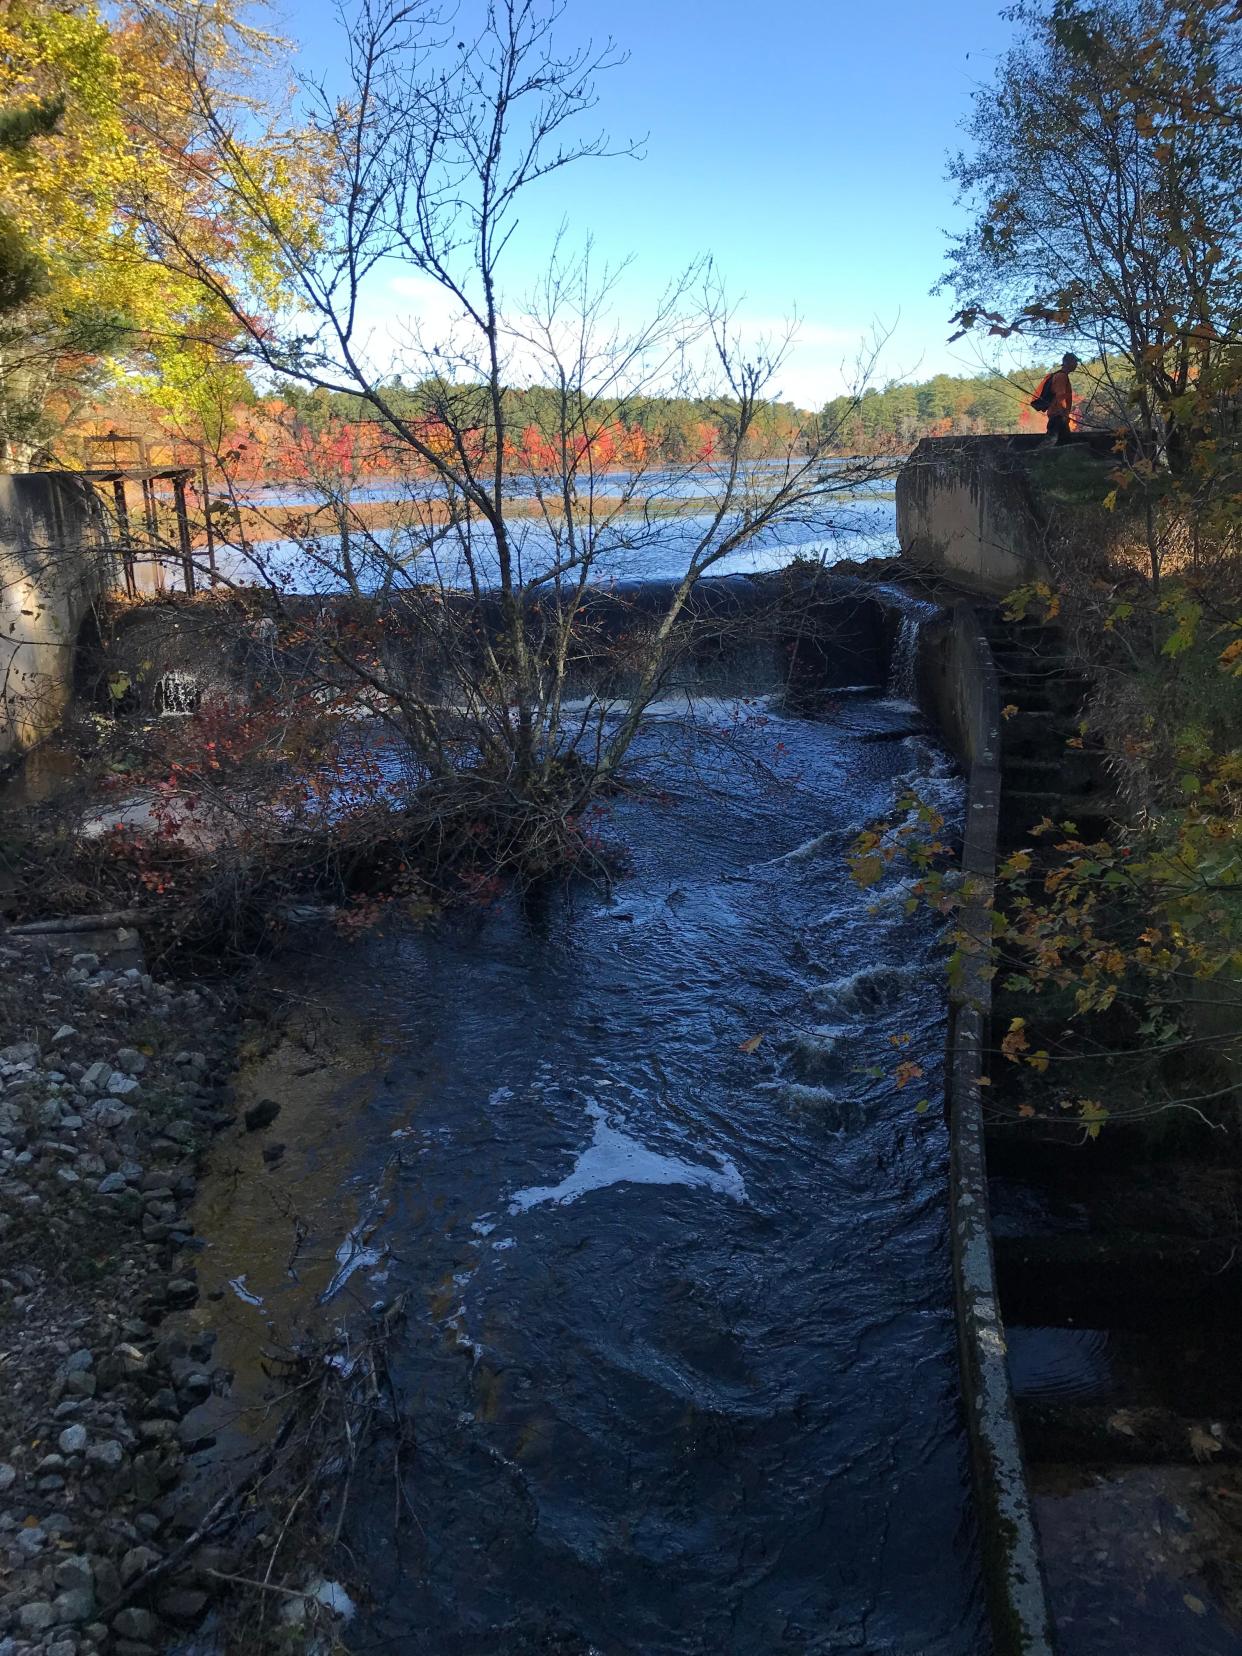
[[905, 658], [177, 694]]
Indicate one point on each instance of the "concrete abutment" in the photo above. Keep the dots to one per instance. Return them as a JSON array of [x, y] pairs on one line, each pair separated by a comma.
[[55, 563]]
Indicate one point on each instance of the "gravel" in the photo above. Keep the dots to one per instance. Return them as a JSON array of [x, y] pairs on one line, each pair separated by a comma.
[[102, 1120]]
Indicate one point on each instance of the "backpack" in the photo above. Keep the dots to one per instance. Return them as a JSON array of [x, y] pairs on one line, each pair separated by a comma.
[[1041, 402]]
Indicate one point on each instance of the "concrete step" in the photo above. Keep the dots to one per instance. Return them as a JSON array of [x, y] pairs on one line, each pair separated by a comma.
[[1087, 1280], [1072, 775], [1020, 812], [1022, 635], [1015, 684], [1022, 808], [1056, 696], [1032, 664], [1110, 1433]]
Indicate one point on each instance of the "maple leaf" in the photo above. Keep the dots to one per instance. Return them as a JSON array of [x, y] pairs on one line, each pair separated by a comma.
[[1015, 1041], [1093, 1116]]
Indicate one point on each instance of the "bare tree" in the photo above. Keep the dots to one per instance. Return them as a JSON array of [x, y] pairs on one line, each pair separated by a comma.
[[489, 558]]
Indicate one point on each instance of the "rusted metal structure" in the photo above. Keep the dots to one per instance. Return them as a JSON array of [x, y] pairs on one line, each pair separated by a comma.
[[118, 475]]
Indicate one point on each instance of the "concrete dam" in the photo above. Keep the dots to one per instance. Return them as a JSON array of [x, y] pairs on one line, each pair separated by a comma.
[[644, 1214]]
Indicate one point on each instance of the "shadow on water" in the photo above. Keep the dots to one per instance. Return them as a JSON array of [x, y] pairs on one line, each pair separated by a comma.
[[680, 1357]]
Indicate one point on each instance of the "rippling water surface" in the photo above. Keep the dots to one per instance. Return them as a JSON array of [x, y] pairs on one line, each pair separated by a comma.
[[680, 1355]]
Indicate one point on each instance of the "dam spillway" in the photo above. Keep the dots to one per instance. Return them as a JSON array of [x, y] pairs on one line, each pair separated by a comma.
[[679, 1360]]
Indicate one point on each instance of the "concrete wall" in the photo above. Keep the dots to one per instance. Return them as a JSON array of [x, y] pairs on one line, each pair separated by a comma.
[[964, 509], [745, 635], [958, 685], [53, 564]]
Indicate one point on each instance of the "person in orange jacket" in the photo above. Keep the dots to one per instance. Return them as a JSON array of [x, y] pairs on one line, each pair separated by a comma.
[[1056, 398]]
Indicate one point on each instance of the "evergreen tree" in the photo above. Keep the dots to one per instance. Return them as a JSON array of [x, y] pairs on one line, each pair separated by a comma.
[[22, 272]]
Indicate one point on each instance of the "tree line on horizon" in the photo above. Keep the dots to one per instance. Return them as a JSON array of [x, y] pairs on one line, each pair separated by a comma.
[[898, 415], [296, 433]]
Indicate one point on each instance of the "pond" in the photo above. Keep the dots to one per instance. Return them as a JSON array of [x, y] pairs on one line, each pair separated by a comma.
[[634, 546]]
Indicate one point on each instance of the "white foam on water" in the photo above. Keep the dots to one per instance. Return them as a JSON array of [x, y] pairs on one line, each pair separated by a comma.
[[723, 710], [897, 890], [457, 1322], [612, 1158], [354, 1254], [809, 848], [813, 1046], [333, 1597], [865, 988], [804, 1097]]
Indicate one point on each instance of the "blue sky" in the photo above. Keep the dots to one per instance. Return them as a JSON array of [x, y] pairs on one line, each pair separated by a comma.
[[801, 144]]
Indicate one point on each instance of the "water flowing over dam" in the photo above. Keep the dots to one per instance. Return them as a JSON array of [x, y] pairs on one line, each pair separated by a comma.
[[679, 1354]]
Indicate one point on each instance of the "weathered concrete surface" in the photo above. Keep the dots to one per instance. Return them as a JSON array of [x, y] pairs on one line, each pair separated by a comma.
[[965, 510], [54, 563], [768, 633], [958, 682]]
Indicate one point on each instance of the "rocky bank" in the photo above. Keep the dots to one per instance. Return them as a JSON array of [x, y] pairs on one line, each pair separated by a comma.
[[111, 1085]]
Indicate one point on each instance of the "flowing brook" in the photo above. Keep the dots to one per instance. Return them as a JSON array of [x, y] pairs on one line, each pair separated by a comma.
[[679, 1351]]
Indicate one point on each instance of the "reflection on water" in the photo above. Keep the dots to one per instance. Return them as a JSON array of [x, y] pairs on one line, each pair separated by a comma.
[[630, 549], [679, 1357], [1058, 1363]]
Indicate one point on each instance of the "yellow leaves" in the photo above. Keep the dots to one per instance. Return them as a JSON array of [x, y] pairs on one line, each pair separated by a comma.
[[1093, 1115], [1026, 1111], [1186, 615], [1230, 658], [753, 1043], [1015, 1042], [867, 870], [906, 1072], [128, 142], [1008, 711], [1109, 501], [1037, 598]]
